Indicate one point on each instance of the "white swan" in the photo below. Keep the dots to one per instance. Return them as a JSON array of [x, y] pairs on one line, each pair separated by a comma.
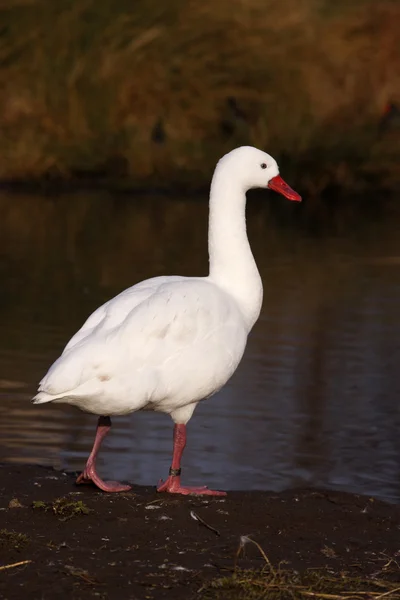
[[169, 342]]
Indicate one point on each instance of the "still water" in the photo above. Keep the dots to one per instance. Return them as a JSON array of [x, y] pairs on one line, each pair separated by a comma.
[[316, 398]]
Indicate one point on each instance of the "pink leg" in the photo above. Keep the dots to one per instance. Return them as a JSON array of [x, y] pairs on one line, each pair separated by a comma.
[[173, 483], [90, 474]]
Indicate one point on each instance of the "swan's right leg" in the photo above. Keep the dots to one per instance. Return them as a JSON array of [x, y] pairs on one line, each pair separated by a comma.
[[173, 483]]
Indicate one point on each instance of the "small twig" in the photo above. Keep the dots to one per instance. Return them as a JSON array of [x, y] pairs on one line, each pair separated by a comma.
[[17, 564], [196, 517], [244, 539], [387, 593], [82, 574], [322, 595]]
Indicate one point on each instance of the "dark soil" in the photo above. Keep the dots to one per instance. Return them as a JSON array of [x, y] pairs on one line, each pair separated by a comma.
[[82, 543]]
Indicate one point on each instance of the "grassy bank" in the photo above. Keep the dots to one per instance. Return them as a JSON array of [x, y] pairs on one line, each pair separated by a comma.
[[156, 92]]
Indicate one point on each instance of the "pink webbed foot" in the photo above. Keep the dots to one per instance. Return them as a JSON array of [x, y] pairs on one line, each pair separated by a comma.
[[173, 486], [89, 475]]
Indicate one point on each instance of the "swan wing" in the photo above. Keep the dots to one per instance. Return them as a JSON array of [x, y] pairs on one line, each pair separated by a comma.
[[164, 326], [113, 312]]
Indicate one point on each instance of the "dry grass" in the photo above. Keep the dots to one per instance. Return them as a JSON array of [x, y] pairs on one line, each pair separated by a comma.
[[290, 585], [281, 583], [153, 90]]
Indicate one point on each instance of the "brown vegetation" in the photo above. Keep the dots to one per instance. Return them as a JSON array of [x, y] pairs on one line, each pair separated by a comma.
[[156, 91]]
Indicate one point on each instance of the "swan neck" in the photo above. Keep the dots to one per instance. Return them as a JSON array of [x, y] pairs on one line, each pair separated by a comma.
[[232, 265]]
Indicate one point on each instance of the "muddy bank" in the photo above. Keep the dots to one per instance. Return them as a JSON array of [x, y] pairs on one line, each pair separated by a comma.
[[75, 542]]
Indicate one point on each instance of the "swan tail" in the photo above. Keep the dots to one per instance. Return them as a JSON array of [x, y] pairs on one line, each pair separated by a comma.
[[43, 397], [89, 389]]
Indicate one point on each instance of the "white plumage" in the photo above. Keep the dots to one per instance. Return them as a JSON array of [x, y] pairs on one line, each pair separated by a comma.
[[169, 342], [141, 350]]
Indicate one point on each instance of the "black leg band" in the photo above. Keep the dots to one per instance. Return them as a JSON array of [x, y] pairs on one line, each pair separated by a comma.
[[174, 472]]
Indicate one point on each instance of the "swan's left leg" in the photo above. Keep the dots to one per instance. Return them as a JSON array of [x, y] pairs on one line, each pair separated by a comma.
[[90, 473], [173, 483]]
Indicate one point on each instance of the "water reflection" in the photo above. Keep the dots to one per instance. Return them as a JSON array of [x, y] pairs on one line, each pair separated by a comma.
[[315, 400]]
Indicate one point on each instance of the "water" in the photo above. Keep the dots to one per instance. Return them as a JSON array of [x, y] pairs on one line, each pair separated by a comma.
[[315, 400]]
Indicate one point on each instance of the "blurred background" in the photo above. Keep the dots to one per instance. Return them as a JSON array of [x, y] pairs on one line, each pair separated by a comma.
[[112, 117]]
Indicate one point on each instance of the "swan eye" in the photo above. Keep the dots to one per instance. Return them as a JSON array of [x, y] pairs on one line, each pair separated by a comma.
[[263, 165]]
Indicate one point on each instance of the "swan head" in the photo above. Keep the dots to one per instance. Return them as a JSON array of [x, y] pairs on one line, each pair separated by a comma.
[[253, 168]]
